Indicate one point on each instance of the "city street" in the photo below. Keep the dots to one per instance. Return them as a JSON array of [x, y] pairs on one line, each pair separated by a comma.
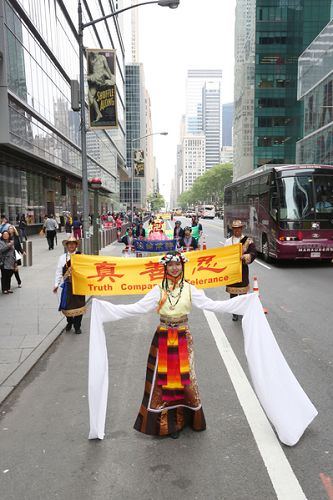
[[45, 451]]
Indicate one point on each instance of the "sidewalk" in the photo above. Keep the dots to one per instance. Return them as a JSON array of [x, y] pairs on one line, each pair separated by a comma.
[[30, 320]]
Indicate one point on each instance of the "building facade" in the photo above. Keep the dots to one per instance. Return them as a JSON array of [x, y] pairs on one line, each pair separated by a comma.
[[138, 126], [40, 150], [278, 114], [227, 123], [211, 121], [227, 154], [193, 157], [244, 87], [315, 90], [281, 31]]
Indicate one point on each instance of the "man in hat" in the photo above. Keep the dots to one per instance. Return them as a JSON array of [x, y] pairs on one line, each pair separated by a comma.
[[72, 306], [249, 253]]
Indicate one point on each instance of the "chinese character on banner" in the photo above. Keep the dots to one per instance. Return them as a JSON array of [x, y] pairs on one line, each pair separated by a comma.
[[102, 94], [106, 270], [205, 264], [138, 163], [155, 271]]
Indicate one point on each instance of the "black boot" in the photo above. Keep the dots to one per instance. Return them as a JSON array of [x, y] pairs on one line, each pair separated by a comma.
[[235, 317]]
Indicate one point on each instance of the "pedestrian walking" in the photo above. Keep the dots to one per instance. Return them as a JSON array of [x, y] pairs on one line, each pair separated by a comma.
[[72, 306], [7, 261], [249, 253], [19, 252], [4, 225], [68, 226], [77, 228], [22, 225], [50, 226]]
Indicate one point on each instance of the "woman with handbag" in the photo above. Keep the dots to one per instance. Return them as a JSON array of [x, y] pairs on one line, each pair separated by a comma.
[[7, 256], [18, 253]]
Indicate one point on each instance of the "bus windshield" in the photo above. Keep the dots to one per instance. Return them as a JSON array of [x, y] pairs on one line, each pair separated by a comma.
[[305, 197]]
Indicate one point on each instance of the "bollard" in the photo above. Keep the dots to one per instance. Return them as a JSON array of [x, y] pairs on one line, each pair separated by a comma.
[[27, 258]]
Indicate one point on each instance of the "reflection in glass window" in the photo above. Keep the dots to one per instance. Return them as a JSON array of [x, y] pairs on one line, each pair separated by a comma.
[[296, 198], [323, 185]]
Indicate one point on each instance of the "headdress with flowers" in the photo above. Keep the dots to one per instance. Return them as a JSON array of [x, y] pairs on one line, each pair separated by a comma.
[[173, 257]]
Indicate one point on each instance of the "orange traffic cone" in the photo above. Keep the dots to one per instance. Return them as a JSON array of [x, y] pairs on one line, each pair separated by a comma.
[[204, 245], [256, 290]]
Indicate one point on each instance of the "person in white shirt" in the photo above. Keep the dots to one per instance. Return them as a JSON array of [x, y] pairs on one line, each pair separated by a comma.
[[72, 306]]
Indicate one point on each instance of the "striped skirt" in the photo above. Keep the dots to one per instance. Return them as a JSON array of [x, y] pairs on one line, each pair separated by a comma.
[[160, 418]]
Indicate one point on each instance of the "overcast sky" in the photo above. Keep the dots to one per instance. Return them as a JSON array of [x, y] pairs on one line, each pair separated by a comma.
[[197, 35]]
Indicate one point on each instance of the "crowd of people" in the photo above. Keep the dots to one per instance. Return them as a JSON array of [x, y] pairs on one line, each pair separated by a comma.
[[187, 238]]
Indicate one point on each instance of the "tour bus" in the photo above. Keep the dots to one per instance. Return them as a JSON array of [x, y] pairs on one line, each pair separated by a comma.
[[207, 211], [287, 210]]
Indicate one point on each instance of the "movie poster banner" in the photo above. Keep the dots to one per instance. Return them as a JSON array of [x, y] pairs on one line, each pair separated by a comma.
[[139, 163], [107, 275], [102, 95]]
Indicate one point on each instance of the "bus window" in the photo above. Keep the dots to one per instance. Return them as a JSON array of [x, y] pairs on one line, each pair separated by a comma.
[[296, 197], [324, 195]]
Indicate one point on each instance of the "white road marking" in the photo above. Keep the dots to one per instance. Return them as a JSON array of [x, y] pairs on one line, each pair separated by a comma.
[[261, 264], [283, 479]]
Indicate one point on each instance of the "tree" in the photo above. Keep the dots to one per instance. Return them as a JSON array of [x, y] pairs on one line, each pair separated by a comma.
[[156, 201], [208, 188]]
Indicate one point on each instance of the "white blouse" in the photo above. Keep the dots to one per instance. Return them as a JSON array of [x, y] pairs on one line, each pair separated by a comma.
[[281, 396]]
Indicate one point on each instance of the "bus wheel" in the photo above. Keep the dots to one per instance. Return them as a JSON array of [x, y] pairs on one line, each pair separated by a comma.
[[265, 249]]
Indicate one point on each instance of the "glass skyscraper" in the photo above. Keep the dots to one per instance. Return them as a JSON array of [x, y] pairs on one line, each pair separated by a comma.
[[40, 150], [283, 30], [315, 89], [203, 110]]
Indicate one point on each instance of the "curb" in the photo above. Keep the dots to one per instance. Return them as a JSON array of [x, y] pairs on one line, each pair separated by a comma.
[[13, 380]]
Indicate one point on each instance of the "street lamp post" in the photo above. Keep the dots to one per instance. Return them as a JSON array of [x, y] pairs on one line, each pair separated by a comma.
[[172, 4], [132, 169], [95, 184]]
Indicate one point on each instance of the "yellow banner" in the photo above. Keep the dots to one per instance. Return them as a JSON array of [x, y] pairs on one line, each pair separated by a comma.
[[107, 275]]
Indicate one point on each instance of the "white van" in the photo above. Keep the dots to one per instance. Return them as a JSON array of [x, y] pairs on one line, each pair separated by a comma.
[[208, 212]]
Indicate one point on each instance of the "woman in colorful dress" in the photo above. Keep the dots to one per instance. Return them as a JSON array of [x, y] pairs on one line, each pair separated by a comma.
[[171, 397]]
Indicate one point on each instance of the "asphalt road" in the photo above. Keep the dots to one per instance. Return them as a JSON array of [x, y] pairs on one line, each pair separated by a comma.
[[45, 453]]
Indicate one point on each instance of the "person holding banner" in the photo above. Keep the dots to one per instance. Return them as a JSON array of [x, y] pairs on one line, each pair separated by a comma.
[[178, 232], [72, 306], [188, 242], [249, 253]]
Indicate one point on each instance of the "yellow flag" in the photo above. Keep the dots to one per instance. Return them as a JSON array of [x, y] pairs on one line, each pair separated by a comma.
[[107, 275]]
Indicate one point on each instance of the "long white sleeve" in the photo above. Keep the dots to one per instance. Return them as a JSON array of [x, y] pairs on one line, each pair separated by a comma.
[[58, 273], [285, 403], [101, 312]]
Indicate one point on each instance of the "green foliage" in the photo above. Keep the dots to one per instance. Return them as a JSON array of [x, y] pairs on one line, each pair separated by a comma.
[[156, 201], [209, 188]]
